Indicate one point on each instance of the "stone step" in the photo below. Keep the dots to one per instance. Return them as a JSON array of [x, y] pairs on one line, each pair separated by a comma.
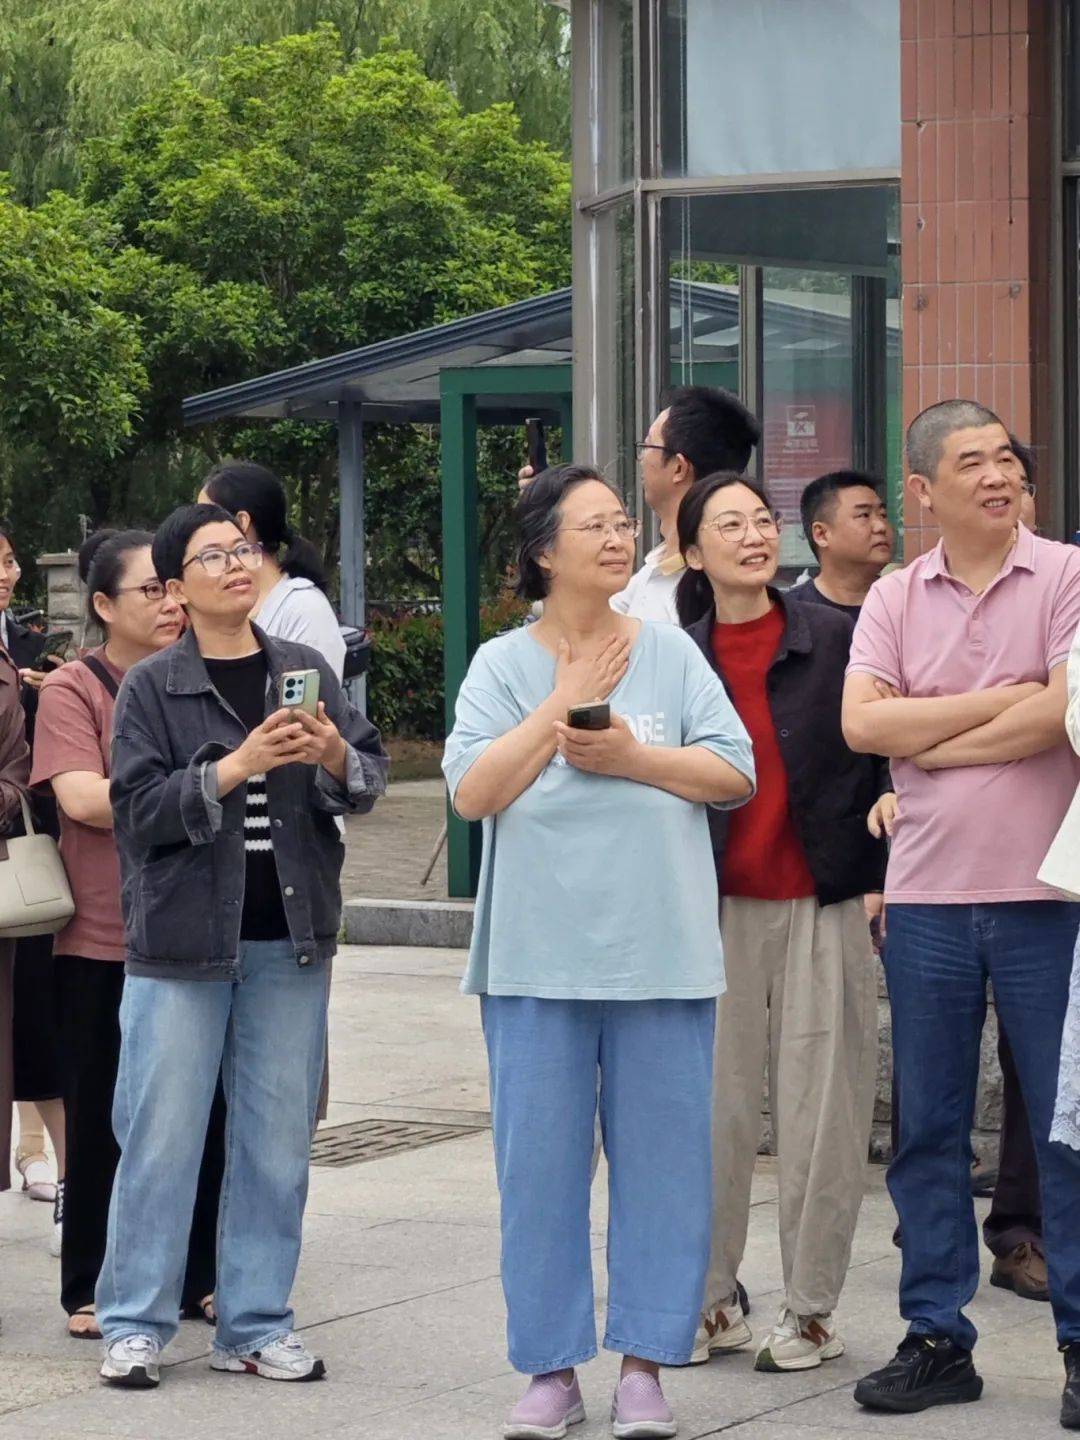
[[434, 923]]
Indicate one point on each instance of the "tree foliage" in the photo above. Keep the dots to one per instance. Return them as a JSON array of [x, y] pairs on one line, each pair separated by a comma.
[[71, 371], [294, 204], [68, 68]]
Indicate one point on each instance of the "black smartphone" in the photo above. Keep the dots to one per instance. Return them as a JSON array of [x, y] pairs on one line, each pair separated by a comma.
[[537, 445], [590, 717]]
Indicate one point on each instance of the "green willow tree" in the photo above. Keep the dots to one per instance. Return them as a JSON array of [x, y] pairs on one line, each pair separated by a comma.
[[68, 68], [300, 205]]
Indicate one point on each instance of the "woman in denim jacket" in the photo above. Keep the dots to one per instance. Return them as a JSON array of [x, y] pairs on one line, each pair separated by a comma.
[[224, 807]]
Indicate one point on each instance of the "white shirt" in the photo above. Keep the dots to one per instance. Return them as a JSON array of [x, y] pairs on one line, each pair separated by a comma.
[[651, 592], [296, 609]]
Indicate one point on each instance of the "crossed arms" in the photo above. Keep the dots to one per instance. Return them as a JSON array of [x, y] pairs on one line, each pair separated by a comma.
[[980, 727]]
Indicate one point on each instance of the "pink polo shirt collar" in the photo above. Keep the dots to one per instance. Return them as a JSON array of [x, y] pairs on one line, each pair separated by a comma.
[[1021, 556]]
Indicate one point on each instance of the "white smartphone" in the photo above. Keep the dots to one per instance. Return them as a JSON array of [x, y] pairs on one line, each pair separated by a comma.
[[300, 691]]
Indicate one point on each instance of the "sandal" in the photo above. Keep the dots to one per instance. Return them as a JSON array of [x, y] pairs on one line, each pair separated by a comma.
[[37, 1177], [204, 1310], [90, 1332]]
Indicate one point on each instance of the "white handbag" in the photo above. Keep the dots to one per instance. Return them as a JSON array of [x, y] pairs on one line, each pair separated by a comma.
[[35, 897], [1061, 868]]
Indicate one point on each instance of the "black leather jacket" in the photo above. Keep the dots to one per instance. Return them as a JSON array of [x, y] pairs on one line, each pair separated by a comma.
[[831, 790]]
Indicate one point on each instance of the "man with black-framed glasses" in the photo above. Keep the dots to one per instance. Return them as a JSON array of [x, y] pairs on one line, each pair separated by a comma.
[[700, 430], [230, 861]]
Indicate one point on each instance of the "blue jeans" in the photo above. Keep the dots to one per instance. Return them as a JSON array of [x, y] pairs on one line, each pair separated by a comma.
[[654, 1058], [937, 962], [265, 1034]]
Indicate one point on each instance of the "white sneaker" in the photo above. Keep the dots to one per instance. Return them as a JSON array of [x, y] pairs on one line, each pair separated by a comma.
[[284, 1359], [722, 1328], [37, 1180], [132, 1361], [799, 1342]]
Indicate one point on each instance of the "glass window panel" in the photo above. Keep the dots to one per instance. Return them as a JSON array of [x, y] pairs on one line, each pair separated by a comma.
[[612, 421], [703, 309], [808, 420], [615, 39], [774, 87], [834, 229], [810, 247], [625, 353]]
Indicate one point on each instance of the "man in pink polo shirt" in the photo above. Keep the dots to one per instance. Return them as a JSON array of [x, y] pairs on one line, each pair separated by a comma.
[[957, 673]]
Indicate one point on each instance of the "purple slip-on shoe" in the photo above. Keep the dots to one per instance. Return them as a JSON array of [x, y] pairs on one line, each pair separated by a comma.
[[639, 1410], [546, 1410]]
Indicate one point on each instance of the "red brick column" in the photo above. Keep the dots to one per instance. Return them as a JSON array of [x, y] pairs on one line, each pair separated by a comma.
[[975, 209]]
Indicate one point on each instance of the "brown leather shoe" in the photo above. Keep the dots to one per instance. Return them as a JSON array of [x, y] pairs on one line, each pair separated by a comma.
[[1023, 1271]]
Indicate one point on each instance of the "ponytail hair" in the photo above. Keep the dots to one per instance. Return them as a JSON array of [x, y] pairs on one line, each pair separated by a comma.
[[693, 597], [694, 594], [238, 485], [102, 560]]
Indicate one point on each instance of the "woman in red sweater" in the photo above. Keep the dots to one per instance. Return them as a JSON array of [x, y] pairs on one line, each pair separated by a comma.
[[793, 865]]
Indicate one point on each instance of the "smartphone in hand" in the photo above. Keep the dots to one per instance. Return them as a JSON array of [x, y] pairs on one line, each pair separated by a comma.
[[537, 445], [299, 690], [590, 717], [55, 646]]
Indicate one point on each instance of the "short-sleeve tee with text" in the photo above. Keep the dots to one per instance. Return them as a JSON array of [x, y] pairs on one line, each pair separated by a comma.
[[593, 887]]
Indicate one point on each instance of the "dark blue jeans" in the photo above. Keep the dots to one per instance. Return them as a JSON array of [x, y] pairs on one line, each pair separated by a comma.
[[937, 963]]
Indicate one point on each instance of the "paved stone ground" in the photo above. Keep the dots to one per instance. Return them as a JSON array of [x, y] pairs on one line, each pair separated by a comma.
[[389, 850], [399, 1289]]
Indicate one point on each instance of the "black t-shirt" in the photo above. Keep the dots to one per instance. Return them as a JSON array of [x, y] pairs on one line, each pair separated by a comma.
[[242, 685], [809, 593]]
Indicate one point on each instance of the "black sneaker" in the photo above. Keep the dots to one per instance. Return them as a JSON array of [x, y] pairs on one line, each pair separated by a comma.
[[928, 1370], [1070, 1400], [744, 1299]]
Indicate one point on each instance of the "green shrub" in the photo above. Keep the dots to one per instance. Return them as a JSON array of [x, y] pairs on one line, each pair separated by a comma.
[[405, 680]]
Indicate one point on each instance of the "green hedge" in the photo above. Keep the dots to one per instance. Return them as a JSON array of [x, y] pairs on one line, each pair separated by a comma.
[[405, 680]]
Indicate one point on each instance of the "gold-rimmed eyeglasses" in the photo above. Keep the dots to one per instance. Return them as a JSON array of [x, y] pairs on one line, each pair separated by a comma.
[[732, 527], [625, 529]]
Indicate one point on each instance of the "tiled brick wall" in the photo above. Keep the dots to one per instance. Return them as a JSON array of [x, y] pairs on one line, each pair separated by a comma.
[[975, 195]]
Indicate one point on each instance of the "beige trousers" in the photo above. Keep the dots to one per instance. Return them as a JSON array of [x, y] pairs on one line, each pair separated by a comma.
[[801, 990]]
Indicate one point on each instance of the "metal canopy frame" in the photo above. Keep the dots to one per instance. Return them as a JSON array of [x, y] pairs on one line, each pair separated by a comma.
[[487, 369], [461, 392]]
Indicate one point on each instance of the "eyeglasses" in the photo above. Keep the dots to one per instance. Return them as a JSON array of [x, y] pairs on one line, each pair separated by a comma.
[[216, 562], [12, 566], [732, 527], [600, 529], [153, 590], [1030, 487], [641, 445]]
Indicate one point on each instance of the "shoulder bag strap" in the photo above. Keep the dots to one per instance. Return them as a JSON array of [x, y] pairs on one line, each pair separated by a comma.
[[96, 668]]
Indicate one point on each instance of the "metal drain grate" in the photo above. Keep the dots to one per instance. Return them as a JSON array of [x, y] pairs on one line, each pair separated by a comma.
[[362, 1140]]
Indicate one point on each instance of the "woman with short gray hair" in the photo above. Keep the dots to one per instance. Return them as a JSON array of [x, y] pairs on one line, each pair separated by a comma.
[[590, 745]]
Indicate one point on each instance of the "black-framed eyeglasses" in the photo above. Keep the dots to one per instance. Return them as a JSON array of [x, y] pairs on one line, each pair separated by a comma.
[[215, 560], [152, 590], [642, 445]]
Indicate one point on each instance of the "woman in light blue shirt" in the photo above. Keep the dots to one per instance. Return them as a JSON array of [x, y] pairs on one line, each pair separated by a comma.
[[596, 950]]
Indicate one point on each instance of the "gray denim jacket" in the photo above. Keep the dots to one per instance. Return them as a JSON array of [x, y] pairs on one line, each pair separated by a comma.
[[181, 847]]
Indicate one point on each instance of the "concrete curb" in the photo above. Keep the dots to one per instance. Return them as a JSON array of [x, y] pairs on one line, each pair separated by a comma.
[[435, 923]]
